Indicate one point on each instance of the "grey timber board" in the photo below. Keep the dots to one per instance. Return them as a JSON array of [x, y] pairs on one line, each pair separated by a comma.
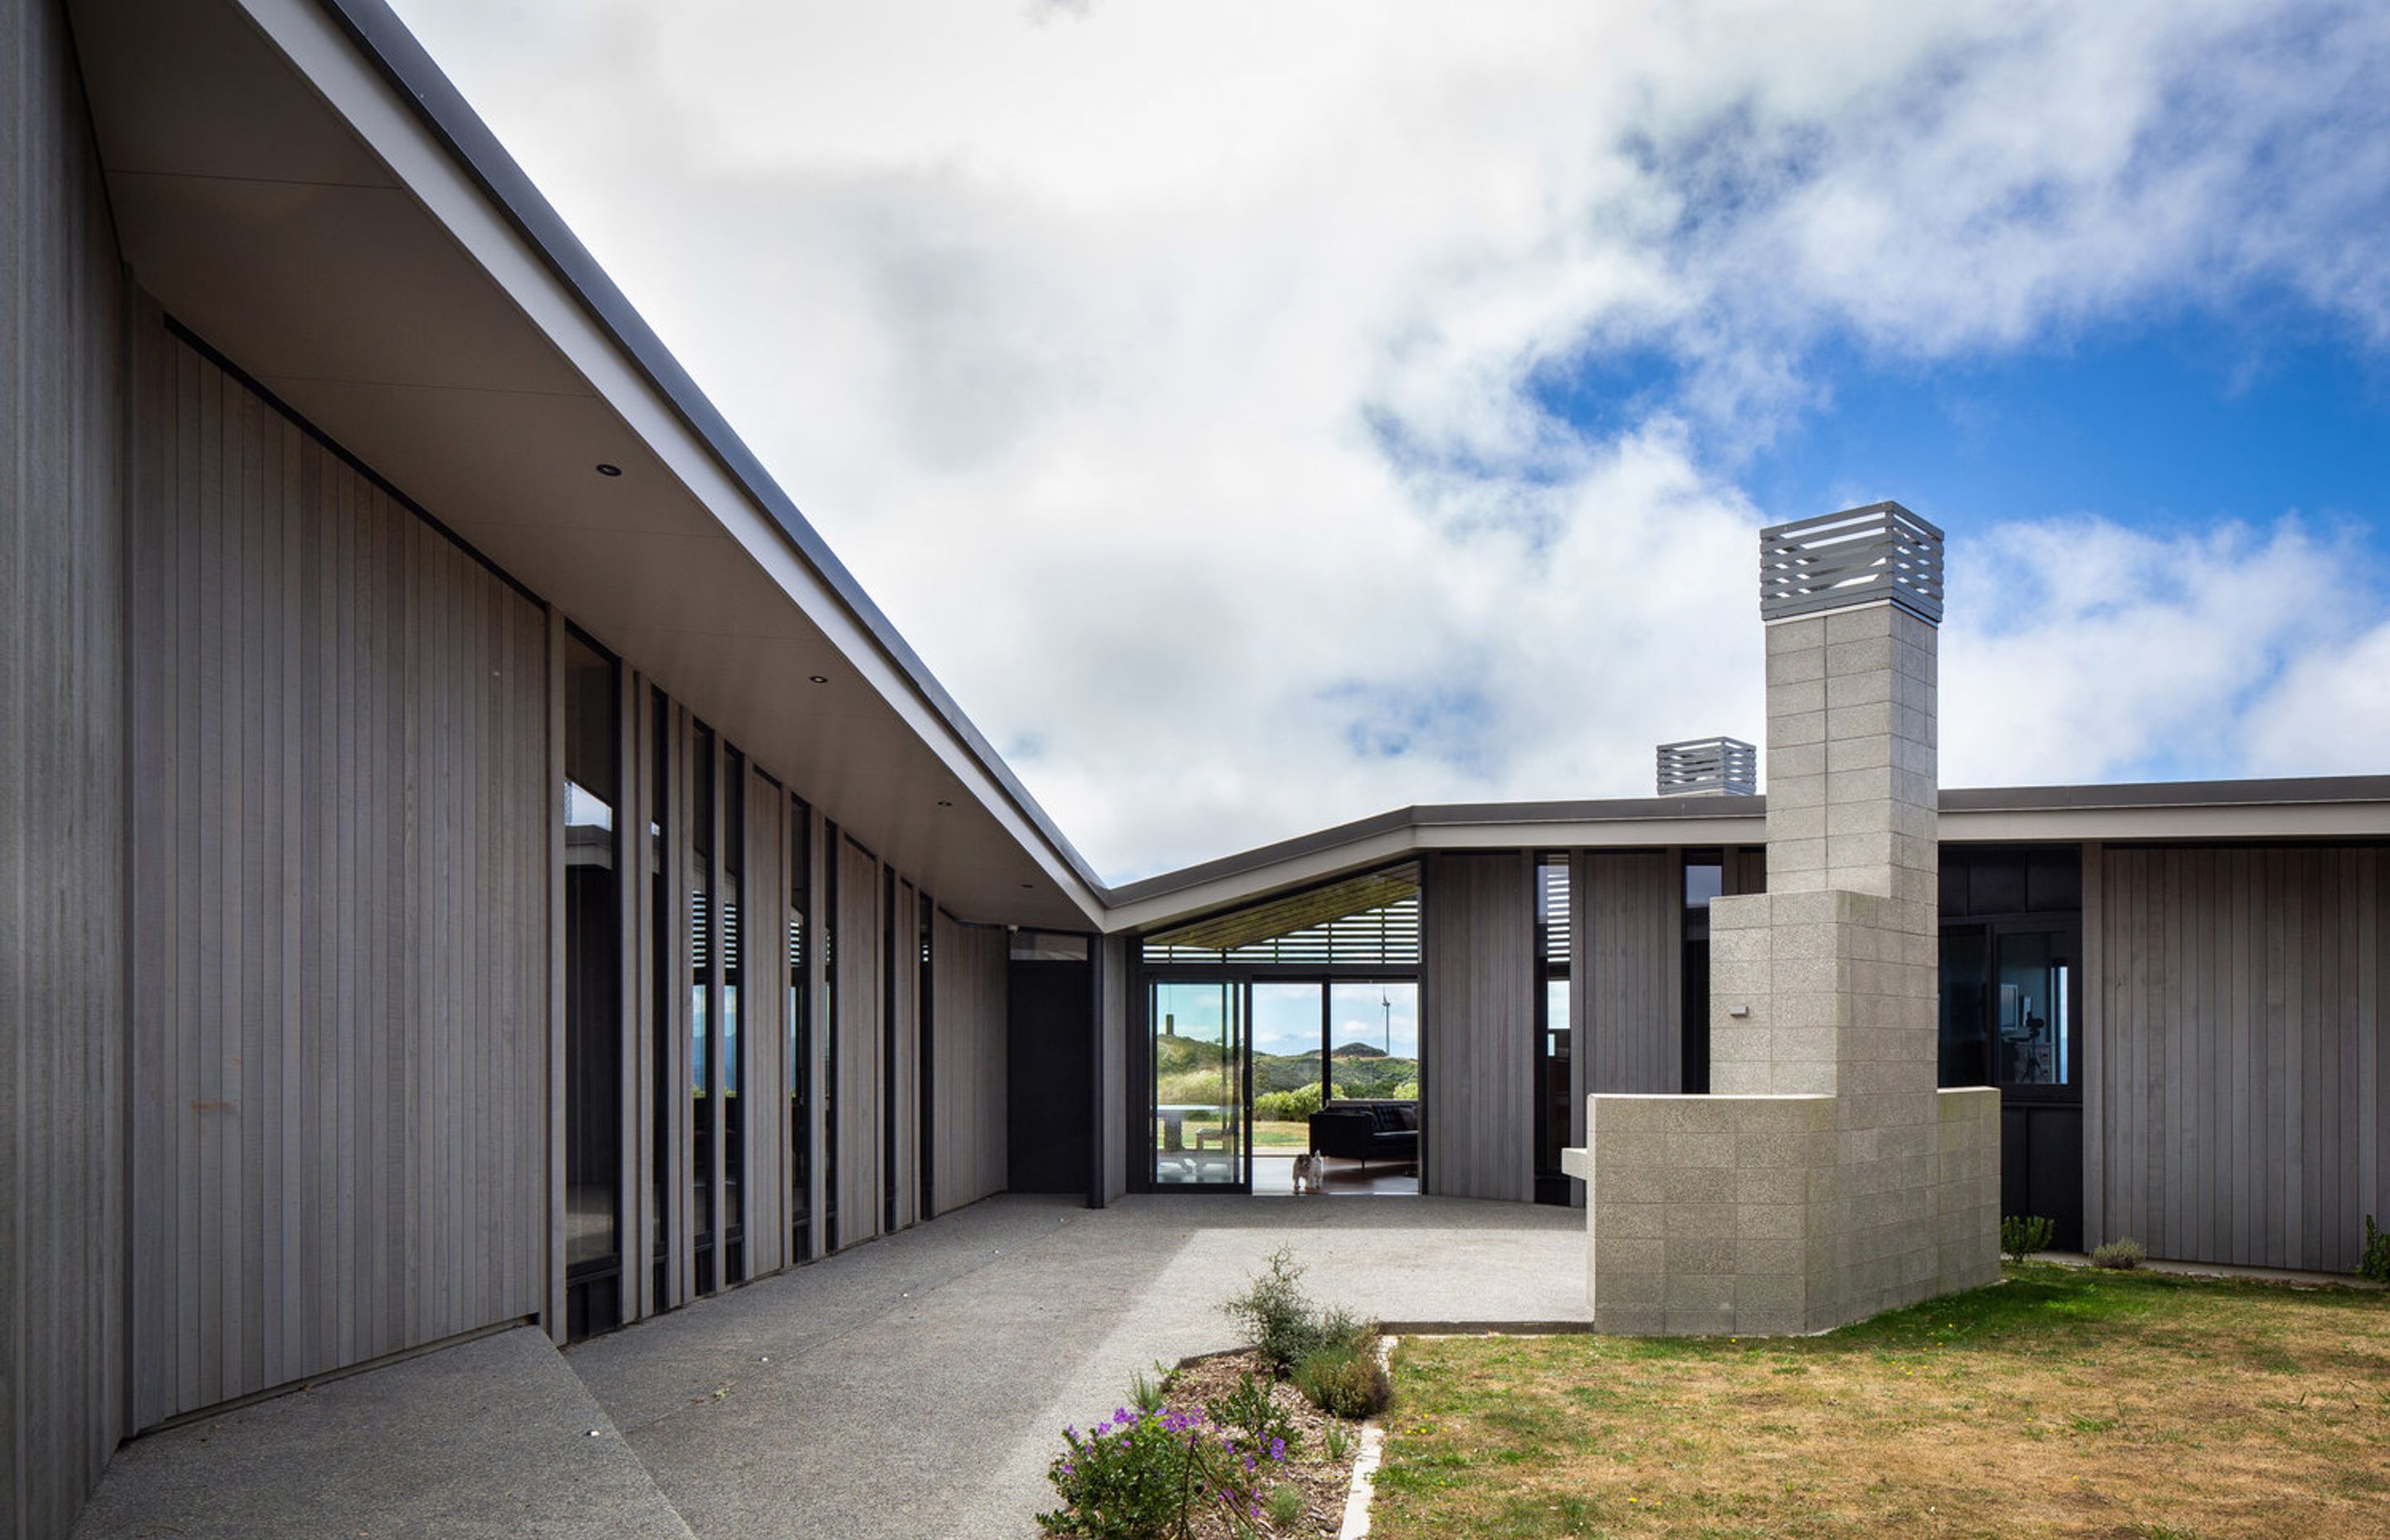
[[2236, 1051], [968, 1025], [324, 636], [1477, 1035], [1631, 940], [63, 582]]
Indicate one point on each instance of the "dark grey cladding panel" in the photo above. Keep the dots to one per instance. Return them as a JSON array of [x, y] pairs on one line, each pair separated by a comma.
[[1859, 555], [1712, 766]]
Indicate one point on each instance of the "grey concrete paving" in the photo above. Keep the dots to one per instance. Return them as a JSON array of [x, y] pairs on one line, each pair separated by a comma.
[[916, 1386], [488, 1438]]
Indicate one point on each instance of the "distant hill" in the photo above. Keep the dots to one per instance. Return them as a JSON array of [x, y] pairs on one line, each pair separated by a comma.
[[1356, 1050]]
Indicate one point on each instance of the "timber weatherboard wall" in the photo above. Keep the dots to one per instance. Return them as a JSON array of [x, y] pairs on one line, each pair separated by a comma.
[[342, 988], [1627, 970], [968, 1024], [1477, 1029], [2239, 1041], [62, 879]]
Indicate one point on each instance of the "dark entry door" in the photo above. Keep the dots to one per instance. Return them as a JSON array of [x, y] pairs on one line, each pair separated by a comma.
[[2011, 1017]]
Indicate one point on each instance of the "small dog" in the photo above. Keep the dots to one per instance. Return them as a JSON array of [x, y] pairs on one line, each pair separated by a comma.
[[1310, 1173]]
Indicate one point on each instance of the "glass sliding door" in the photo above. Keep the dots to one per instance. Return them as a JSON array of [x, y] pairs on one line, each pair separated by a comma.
[[701, 1067], [1198, 1033], [1373, 1041], [1290, 1027]]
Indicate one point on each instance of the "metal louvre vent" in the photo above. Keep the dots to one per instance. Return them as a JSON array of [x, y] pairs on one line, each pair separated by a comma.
[[1859, 555], [1552, 907], [730, 934], [796, 944], [1708, 767], [700, 932], [1367, 921]]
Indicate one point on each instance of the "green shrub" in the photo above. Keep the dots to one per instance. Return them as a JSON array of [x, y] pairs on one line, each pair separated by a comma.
[[1145, 1392], [1345, 1379], [1339, 1440], [1279, 1320], [2023, 1235], [1254, 1414], [1285, 1506], [2122, 1255], [2373, 1262], [1288, 1106], [1138, 1477], [1404, 1090]]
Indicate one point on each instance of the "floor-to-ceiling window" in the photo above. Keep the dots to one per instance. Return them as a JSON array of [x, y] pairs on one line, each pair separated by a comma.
[[2011, 1014], [1704, 878], [798, 1044], [1554, 1069], [1288, 1028], [730, 927], [593, 976], [702, 948]]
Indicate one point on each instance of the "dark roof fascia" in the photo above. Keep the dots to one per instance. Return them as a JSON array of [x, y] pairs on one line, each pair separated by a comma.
[[384, 39], [1438, 816], [2280, 791]]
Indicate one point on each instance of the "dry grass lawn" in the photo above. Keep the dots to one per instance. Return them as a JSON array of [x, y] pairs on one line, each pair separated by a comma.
[[2057, 1402]]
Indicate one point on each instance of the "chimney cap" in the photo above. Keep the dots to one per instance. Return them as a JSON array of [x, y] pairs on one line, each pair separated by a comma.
[[1881, 553], [1708, 767]]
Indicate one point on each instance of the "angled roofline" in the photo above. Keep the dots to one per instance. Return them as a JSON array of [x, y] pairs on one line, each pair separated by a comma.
[[2006, 812], [385, 43], [378, 33]]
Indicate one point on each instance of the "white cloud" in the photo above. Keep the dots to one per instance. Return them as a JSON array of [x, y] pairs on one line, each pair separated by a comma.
[[1160, 368]]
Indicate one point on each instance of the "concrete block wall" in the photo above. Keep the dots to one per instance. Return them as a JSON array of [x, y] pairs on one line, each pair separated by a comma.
[[1822, 1037], [1704, 1213]]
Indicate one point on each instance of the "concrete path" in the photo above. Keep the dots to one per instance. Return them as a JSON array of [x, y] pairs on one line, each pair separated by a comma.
[[914, 1387], [917, 1386], [488, 1438]]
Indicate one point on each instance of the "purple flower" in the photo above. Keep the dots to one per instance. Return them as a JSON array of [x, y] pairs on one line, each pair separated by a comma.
[[1277, 1448]]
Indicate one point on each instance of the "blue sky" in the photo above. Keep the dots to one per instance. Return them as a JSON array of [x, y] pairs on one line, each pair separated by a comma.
[[1262, 417]]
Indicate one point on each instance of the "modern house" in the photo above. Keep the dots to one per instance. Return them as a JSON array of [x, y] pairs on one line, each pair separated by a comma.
[[471, 854]]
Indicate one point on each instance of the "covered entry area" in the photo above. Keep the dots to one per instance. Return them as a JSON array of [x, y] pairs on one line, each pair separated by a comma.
[[1285, 1028]]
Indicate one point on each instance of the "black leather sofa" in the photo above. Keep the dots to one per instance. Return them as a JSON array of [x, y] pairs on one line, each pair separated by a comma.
[[1367, 1131]]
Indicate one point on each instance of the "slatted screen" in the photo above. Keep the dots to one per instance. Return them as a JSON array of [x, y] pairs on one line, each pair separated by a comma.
[[1371, 921]]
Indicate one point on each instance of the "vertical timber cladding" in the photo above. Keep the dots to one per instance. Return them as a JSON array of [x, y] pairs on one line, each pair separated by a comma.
[[967, 1022], [341, 1040], [862, 972], [1626, 972], [2241, 1050], [1477, 1048], [63, 893]]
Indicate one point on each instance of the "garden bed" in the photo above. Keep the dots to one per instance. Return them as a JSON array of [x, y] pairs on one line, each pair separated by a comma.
[[1242, 1446], [1321, 1477]]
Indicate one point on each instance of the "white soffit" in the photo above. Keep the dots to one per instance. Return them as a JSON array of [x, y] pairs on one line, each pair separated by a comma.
[[296, 211]]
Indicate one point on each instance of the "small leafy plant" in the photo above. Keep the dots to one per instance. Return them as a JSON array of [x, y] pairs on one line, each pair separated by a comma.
[[1345, 1378], [1145, 1392], [2023, 1235], [1285, 1506], [1339, 1440], [1279, 1320], [1252, 1414], [2122, 1255], [2373, 1261]]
